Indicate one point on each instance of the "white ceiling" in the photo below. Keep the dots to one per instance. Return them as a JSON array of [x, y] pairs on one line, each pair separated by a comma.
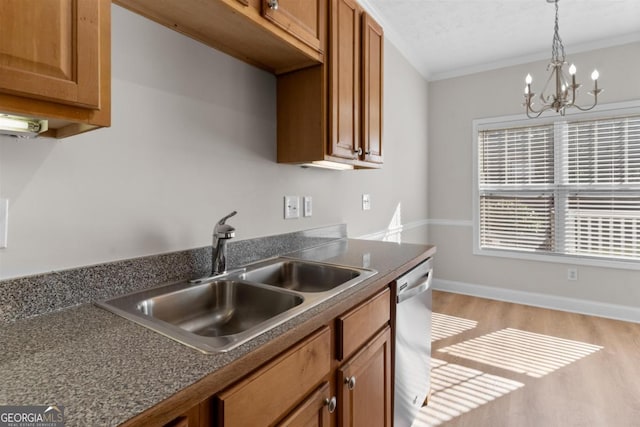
[[447, 38]]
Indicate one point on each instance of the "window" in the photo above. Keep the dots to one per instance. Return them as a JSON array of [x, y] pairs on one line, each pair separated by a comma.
[[560, 186]]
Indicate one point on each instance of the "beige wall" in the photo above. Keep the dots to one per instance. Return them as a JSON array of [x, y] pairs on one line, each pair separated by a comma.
[[193, 137], [453, 105]]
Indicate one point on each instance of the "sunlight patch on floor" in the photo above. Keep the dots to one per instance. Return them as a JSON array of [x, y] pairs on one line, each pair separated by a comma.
[[445, 326], [523, 352], [456, 390]]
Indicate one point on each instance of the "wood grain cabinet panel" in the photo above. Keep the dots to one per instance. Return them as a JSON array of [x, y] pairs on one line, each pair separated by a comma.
[[344, 80], [333, 112], [55, 62], [197, 416], [358, 325], [302, 19], [372, 87], [278, 41], [275, 389], [48, 50], [313, 412], [365, 387]]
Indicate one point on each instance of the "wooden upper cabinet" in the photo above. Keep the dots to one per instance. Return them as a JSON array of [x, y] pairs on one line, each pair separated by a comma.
[[344, 79], [333, 112], [372, 84], [304, 19], [55, 62], [278, 41], [48, 50]]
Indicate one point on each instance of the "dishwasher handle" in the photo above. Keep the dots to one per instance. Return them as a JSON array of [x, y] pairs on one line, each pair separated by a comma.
[[416, 289]]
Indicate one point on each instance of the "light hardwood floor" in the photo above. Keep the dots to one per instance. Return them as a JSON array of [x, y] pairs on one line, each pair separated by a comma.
[[501, 364]]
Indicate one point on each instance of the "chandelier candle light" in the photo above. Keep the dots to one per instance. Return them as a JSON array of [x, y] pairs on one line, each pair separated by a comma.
[[565, 94]]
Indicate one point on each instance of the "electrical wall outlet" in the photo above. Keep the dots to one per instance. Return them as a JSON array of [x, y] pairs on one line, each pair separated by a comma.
[[572, 273], [366, 202], [307, 206], [291, 207], [4, 222]]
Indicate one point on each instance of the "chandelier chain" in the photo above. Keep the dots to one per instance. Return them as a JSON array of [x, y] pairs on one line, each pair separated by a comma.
[[557, 47]]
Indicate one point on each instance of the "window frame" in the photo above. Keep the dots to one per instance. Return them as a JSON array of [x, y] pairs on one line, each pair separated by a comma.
[[603, 111]]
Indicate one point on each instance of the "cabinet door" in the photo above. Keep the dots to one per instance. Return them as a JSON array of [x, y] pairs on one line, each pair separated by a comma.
[[272, 391], [344, 79], [198, 416], [364, 398], [372, 64], [50, 50], [313, 412], [300, 18]]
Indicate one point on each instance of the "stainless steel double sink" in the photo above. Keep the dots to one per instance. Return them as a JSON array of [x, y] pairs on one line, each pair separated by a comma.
[[219, 313]]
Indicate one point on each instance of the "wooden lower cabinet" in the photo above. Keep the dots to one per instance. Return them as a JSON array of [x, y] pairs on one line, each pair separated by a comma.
[[198, 416], [338, 376], [297, 388], [365, 387], [274, 390], [314, 411]]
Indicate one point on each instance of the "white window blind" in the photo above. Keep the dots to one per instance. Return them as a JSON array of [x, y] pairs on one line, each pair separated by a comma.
[[566, 187], [601, 180]]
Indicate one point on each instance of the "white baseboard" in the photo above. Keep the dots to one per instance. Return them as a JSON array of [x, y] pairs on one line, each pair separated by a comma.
[[592, 308]]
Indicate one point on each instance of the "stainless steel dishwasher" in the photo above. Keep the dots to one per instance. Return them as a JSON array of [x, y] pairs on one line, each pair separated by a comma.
[[413, 343]]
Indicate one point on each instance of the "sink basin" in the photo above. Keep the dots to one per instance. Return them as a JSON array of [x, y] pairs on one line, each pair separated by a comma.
[[301, 276], [212, 316], [219, 313], [219, 308]]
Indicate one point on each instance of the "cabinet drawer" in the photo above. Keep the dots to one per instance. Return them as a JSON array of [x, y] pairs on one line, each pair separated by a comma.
[[269, 393], [302, 19], [358, 325]]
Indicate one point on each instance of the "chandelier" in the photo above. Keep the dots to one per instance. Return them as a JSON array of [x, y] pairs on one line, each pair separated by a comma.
[[565, 87]]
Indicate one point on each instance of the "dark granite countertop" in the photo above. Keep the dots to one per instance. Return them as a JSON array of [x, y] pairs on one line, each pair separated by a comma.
[[105, 370]]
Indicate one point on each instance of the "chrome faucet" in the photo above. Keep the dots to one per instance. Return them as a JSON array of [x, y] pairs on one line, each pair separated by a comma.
[[221, 234]]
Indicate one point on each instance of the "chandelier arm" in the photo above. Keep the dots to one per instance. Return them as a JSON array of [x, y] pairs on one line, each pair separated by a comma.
[[535, 116], [530, 109], [589, 108]]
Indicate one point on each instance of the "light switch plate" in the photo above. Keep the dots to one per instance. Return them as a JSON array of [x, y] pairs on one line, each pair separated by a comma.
[[366, 202], [4, 222], [291, 207], [307, 206]]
